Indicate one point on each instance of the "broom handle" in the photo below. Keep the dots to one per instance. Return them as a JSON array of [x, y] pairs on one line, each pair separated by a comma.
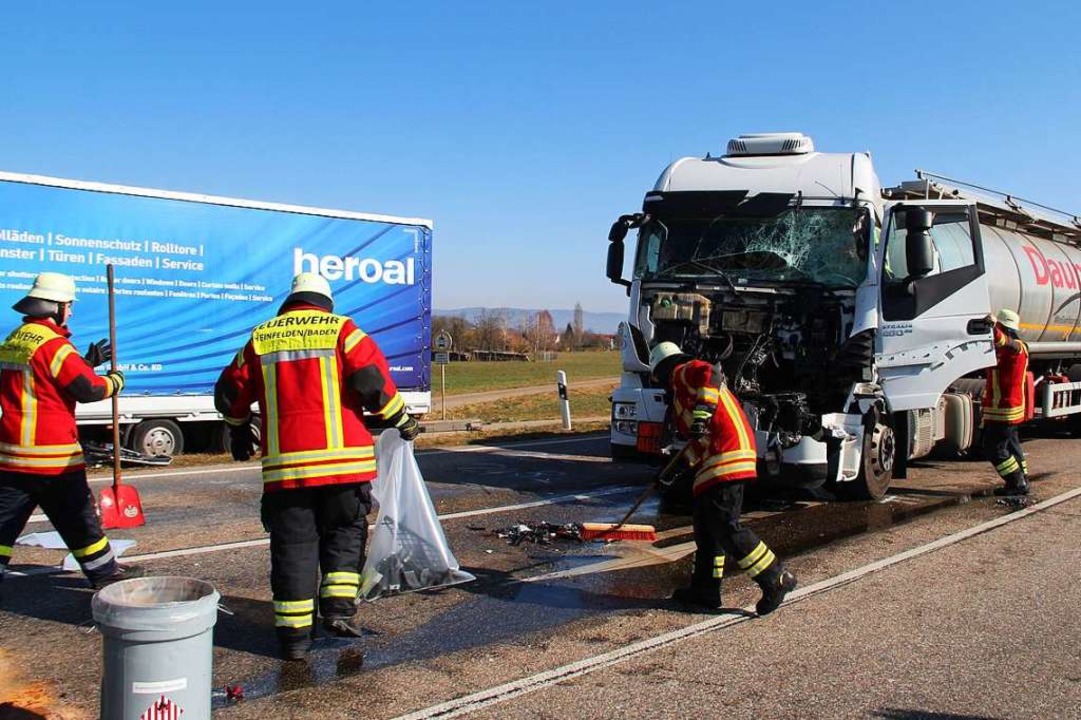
[[649, 490], [116, 400]]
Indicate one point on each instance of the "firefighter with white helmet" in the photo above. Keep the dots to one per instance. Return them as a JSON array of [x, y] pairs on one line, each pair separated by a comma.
[[722, 456], [1003, 405], [313, 374], [42, 377]]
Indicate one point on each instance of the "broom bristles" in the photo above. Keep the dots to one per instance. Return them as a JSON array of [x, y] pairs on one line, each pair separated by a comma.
[[612, 531]]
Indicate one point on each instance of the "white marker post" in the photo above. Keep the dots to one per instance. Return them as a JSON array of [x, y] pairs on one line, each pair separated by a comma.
[[564, 403]]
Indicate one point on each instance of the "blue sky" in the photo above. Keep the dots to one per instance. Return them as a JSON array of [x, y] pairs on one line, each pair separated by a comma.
[[524, 128]]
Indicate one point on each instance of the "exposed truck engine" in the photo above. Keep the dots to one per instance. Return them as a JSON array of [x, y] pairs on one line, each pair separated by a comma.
[[852, 329]]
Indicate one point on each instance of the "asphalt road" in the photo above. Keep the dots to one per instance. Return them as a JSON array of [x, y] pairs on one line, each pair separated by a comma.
[[985, 627]]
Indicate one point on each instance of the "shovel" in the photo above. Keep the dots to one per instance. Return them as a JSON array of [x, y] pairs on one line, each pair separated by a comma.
[[120, 505]]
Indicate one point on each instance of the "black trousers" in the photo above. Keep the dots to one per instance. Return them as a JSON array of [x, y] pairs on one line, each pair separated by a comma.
[[1002, 446], [70, 506], [312, 530], [718, 534]]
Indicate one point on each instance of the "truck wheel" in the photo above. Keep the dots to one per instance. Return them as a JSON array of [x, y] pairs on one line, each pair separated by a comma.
[[222, 445], [624, 452], [876, 471], [157, 437]]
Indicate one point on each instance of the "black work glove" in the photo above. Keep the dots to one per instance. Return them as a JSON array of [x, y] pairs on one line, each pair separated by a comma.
[[118, 381], [241, 442], [408, 428], [98, 353], [699, 428]]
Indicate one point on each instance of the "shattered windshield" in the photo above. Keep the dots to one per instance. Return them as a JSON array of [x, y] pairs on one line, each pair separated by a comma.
[[807, 244]]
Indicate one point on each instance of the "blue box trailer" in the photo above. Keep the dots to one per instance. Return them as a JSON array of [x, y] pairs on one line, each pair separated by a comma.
[[194, 274]]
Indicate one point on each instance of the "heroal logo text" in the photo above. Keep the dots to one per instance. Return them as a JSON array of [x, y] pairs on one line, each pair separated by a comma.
[[367, 270]]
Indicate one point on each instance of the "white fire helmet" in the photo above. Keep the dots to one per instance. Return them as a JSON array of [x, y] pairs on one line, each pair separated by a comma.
[[311, 283], [1009, 319], [661, 352], [56, 287]]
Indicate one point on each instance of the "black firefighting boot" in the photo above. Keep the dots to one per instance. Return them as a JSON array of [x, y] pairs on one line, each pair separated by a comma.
[[343, 627], [121, 572], [294, 643], [705, 588], [1016, 484], [775, 583]]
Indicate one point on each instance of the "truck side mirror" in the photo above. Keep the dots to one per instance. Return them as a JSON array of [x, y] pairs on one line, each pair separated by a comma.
[[618, 231], [919, 253], [615, 262], [919, 248]]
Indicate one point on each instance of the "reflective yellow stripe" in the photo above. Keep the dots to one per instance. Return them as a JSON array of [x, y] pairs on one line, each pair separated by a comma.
[[392, 408], [754, 555], [360, 453], [293, 621], [339, 591], [341, 577], [736, 415], [316, 471], [710, 395], [294, 606], [5, 551], [59, 358], [59, 450], [718, 566], [762, 564], [66, 461], [91, 549], [332, 402], [996, 394], [354, 338], [29, 419], [1008, 464], [270, 383]]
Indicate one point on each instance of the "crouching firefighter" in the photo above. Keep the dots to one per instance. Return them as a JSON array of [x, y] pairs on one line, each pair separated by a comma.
[[42, 377], [721, 454], [313, 373], [1003, 405]]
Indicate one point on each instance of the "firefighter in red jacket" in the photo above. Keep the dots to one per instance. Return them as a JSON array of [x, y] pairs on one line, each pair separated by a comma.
[[1002, 407], [313, 373], [722, 456], [42, 376]]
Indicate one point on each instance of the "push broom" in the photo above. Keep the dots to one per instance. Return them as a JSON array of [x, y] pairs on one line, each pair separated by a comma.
[[120, 504], [621, 530]]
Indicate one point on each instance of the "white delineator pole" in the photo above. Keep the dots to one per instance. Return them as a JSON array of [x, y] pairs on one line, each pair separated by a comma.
[[564, 403]]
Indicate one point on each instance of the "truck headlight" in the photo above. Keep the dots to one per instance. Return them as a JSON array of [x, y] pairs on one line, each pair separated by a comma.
[[624, 411]]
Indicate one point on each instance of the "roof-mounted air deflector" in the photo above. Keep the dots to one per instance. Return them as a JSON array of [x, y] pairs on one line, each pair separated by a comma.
[[788, 143]]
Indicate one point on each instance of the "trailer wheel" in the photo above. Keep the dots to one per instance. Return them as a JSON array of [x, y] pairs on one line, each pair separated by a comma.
[[879, 453], [157, 437]]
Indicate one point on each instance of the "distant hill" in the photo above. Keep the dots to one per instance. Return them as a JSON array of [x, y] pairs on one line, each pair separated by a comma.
[[604, 323]]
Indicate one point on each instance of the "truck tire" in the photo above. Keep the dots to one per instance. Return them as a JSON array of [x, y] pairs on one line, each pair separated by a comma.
[[222, 444], [624, 452], [157, 437], [876, 463]]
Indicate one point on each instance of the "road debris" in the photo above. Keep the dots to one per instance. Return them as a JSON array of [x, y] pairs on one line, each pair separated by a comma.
[[541, 533]]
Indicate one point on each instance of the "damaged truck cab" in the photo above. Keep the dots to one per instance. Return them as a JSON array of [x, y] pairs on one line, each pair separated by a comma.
[[838, 319]]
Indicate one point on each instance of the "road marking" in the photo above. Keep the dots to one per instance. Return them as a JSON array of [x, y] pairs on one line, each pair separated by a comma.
[[507, 452], [179, 473], [203, 549], [508, 691]]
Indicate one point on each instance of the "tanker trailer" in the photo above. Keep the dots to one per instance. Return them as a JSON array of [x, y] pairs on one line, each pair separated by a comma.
[[1030, 263]]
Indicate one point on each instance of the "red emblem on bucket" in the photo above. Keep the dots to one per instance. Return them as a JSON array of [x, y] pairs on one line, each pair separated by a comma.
[[162, 709]]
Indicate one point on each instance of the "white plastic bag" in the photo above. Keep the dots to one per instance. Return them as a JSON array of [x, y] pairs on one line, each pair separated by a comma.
[[408, 549]]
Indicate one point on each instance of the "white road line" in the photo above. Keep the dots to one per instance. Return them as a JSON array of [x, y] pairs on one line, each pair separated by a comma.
[[508, 451], [202, 550], [517, 688]]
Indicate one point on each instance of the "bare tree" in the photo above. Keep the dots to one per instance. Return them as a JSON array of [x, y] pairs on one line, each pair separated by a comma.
[[490, 329]]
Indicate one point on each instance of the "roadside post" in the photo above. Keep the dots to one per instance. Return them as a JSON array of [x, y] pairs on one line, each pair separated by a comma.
[[564, 402], [442, 344]]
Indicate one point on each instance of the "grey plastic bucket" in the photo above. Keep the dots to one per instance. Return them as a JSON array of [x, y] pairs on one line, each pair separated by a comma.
[[158, 635]]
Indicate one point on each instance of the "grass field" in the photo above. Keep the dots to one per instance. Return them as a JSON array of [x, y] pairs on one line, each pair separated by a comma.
[[470, 377], [585, 402]]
